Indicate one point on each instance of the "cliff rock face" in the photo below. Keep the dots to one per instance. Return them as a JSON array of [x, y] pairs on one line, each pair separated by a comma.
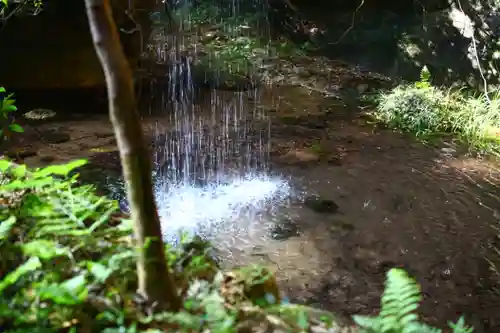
[[458, 40], [458, 45], [54, 49]]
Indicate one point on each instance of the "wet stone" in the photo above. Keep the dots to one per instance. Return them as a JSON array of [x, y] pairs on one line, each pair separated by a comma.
[[47, 159], [284, 229], [343, 224], [299, 156], [104, 135], [21, 153], [322, 206], [334, 160], [54, 137]]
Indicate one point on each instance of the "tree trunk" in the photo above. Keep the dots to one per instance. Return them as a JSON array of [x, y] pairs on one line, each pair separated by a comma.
[[154, 279]]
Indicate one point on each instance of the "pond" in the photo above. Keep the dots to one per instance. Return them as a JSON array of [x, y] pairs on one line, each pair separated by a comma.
[[311, 190]]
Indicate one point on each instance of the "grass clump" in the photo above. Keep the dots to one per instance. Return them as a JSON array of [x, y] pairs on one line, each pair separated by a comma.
[[429, 111]]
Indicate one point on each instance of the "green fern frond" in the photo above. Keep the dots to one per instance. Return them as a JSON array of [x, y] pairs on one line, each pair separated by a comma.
[[460, 326], [400, 301]]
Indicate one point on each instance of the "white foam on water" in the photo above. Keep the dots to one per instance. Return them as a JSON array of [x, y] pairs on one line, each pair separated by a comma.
[[231, 208]]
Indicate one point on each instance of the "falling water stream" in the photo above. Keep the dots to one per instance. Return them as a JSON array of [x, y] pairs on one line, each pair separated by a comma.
[[211, 170]]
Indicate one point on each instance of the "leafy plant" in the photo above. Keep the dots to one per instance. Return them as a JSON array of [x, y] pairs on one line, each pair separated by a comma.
[[8, 8], [399, 303], [425, 79], [47, 221], [429, 111], [7, 107]]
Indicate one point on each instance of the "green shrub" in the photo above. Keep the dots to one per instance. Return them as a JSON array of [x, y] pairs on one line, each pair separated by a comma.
[[426, 111], [7, 107], [419, 110]]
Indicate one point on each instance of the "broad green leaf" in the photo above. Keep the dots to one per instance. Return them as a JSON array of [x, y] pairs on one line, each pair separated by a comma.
[[99, 271], [302, 320], [8, 99], [2, 89], [16, 128], [6, 226], [25, 184], [121, 260], [4, 164], [29, 266], [70, 292], [19, 171], [75, 285], [8, 108], [367, 322], [44, 249], [103, 219], [60, 170]]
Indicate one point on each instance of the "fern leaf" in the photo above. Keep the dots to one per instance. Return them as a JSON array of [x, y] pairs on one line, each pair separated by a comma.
[[460, 326], [417, 327], [367, 323], [399, 302]]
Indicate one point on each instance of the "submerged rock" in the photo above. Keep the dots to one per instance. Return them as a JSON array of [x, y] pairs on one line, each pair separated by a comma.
[[299, 156], [284, 229], [342, 223], [53, 137], [21, 153], [322, 206]]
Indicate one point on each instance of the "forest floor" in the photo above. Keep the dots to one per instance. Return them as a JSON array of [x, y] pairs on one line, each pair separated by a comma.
[[425, 207]]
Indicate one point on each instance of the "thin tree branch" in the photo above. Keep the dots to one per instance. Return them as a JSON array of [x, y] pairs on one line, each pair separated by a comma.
[[154, 280]]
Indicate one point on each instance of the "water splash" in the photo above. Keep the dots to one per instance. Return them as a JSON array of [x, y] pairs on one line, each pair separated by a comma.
[[235, 208], [211, 159]]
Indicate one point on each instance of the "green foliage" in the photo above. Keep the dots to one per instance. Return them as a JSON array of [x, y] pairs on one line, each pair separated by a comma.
[[9, 8], [425, 79], [431, 111], [211, 12], [235, 43], [244, 55], [398, 309], [7, 106], [51, 231]]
